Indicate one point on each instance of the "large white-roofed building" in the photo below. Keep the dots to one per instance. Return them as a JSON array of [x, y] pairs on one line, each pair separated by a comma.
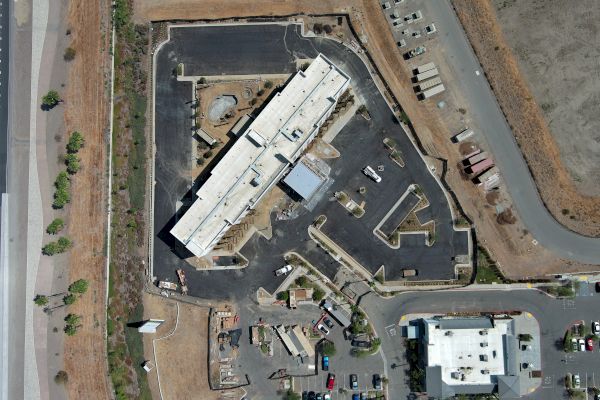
[[262, 154]]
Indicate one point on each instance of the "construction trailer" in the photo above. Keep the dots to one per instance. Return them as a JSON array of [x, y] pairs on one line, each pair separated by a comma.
[[425, 67], [487, 174], [427, 74], [476, 158], [432, 92], [482, 166], [464, 134], [287, 341], [429, 84], [336, 314]]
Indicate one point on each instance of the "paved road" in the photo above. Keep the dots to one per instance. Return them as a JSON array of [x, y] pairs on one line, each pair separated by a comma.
[[554, 317], [485, 111]]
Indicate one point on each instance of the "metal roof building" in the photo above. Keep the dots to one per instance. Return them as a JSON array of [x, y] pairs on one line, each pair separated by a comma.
[[261, 155], [303, 180]]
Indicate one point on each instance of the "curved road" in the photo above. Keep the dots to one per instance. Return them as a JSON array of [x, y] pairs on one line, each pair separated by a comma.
[[486, 112]]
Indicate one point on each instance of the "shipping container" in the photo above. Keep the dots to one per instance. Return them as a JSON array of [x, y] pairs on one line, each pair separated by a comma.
[[429, 84], [432, 92], [427, 74]]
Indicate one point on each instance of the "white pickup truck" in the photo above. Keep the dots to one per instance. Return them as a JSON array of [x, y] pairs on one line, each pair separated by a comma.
[[283, 270]]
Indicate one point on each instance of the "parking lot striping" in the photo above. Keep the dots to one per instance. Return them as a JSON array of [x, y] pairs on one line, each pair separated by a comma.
[[568, 304]]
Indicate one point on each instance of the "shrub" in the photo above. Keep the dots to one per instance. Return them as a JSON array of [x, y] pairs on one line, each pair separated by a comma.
[[328, 29], [268, 84], [40, 300], [301, 281], [69, 299], [260, 92], [328, 348], [318, 28], [318, 294], [51, 98], [61, 377], [525, 337], [202, 80], [76, 142], [283, 296], [69, 54], [72, 162], [55, 226], [208, 154], [70, 330]]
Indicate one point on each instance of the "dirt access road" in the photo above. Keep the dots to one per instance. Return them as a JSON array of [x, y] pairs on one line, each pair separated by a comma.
[[571, 207], [86, 103], [511, 245]]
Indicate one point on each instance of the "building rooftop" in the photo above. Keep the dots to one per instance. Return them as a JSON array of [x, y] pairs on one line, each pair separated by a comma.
[[472, 355], [261, 155], [303, 180]]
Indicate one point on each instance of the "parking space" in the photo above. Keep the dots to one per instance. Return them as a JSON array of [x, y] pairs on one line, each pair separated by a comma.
[[410, 24]]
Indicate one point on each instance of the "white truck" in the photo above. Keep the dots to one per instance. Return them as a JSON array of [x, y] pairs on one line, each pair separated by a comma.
[[370, 172], [283, 270]]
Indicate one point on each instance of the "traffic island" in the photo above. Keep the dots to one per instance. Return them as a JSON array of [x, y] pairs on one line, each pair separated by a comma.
[[402, 219], [353, 207]]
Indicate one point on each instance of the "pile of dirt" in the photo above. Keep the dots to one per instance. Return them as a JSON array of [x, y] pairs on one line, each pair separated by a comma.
[[86, 103], [526, 120]]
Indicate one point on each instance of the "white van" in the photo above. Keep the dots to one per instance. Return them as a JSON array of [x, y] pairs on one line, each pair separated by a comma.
[[370, 172]]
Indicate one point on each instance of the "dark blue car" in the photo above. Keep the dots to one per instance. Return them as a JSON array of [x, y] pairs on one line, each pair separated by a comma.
[[325, 363]]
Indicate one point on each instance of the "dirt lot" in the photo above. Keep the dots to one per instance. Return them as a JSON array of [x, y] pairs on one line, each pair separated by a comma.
[[555, 44], [575, 210], [86, 104], [181, 350], [510, 244]]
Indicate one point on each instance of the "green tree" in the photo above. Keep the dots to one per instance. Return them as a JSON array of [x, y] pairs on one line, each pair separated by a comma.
[[79, 286], [61, 195], [301, 281], [76, 142], [202, 80], [73, 319], [69, 299], [51, 98], [55, 226], [69, 54], [328, 348], [268, 84], [283, 296], [70, 330], [40, 300], [318, 294], [72, 162]]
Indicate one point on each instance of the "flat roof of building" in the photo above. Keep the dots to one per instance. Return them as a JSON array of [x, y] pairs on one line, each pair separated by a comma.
[[467, 355], [261, 155], [303, 180]]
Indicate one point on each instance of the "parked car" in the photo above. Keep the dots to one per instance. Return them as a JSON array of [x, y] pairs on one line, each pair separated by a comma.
[[363, 396], [589, 344], [377, 382], [323, 329], [326, 396], [325, 363], [319, 396], [305, 395], [312, 396], [353, 381], [598, 287], [595, 327], [330, 381], [329, 323], [360, 343], [574, 344], [581, 345], [576, 381], [355, 396]]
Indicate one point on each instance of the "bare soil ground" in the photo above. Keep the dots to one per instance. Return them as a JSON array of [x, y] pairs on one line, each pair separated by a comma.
[[574, 209], [86, 104], [555, 45], [511, 245], [182, 357]]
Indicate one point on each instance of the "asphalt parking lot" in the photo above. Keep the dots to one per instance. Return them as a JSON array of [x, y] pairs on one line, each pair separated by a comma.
[[241, 50]]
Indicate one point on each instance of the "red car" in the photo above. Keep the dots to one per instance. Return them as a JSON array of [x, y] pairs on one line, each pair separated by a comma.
[[330, 381], [589, 345]]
